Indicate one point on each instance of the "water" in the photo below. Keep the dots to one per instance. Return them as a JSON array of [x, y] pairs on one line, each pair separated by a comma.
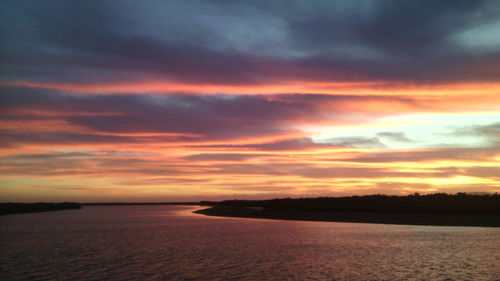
[[171, 243]]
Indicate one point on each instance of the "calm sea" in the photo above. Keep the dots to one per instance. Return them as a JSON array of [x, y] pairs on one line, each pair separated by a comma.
[[171, 243]]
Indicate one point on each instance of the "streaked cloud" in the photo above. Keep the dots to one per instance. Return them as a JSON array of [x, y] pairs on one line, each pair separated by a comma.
[[123, 101]]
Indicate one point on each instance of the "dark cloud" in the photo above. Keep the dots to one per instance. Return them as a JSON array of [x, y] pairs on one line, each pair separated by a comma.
[[489, 133], [193, 118], [90, 41], [44, 156], [245, 42], [355, 142], [395, 136], [15, 137], [492, 130]]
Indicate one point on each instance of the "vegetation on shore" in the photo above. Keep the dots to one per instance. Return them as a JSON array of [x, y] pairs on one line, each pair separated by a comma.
[[433, 209], [438, 203], [16, 208]]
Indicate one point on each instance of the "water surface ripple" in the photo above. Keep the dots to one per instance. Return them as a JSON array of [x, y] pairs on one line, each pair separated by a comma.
[[171, 243]]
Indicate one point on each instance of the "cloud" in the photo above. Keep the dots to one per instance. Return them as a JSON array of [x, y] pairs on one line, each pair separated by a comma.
[[491, 130], [98, 42], [193, 118], [395, 136], [234, 98], [466, 154], [393, 186], [489, 133], [291, 144], [483, 172], [355, 142], [310, 171], [236, 157], [14, 138]]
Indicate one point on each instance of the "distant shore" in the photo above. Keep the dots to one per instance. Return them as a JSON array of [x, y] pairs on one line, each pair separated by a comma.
[[481, 220], [21, 208], [139, 203]]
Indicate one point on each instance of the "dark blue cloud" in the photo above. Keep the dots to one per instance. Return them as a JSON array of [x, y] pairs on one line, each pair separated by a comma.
[[245, 41]]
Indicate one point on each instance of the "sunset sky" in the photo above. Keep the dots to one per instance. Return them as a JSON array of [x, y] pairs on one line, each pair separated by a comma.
[[207, 100]]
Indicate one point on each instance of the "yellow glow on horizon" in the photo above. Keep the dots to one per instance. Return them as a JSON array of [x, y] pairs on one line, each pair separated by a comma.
[[301, 159]]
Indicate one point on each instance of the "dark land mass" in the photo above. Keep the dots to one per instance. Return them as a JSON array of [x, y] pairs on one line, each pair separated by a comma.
[[139, 203], [434, 209], [17, 208]]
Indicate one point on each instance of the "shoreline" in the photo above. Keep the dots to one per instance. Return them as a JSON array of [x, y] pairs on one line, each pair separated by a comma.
[[477, 220], [24, 208]]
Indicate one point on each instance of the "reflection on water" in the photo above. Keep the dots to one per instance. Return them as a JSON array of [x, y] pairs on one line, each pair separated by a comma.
[[171, 243]]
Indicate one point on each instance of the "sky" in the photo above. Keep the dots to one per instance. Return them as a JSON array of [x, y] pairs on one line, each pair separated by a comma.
[[123, 100]]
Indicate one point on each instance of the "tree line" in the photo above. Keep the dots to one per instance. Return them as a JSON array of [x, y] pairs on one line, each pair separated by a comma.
[[460, 203]]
